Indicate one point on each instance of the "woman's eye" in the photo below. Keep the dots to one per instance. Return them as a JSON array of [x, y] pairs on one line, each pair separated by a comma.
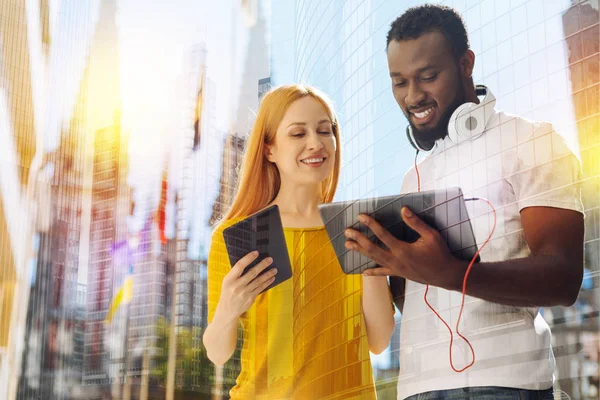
[[325, 132], [298, 134]]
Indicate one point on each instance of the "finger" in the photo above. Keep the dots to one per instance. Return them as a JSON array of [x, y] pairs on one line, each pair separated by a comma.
[[239, 266], [383, 234], [379, 271], [362, 244], [255, 271], [416, 223], [263, 286], [263, 281]]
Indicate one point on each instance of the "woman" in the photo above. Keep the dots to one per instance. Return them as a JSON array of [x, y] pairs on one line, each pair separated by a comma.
[[305, 338]]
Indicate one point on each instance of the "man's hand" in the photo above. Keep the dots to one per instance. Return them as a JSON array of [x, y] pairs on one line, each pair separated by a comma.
[[428, 260], [550, 276]]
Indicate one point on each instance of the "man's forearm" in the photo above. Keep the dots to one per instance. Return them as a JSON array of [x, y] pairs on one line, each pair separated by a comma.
[[534, 281]]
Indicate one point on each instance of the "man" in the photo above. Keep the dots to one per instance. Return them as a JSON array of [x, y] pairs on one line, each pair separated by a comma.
[[535, 256]]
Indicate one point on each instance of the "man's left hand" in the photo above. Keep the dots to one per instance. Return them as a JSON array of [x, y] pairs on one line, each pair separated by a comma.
[[427, 260]]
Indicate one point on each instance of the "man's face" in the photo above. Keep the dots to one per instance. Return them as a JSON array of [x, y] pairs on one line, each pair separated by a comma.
[[427, 83]]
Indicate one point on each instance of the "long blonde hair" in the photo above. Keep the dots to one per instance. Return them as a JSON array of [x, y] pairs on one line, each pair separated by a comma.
[[259, 180]]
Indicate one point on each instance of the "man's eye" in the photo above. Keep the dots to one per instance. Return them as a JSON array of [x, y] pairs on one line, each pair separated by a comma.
[[399, 84], [429, 78]]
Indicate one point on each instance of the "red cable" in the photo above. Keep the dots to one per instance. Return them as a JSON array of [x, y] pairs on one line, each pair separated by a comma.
[[418, 176], [464, 286]]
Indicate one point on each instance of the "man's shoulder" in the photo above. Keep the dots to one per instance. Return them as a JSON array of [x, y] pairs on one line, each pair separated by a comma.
[[524, 128]]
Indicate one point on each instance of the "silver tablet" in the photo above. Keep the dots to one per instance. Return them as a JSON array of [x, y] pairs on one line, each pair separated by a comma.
[[442, 209]]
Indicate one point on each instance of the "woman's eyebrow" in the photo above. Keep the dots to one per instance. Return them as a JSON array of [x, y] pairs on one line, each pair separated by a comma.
[[304, 123]]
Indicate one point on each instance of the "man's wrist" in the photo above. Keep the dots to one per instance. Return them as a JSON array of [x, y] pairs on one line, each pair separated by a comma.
[[455, 275]]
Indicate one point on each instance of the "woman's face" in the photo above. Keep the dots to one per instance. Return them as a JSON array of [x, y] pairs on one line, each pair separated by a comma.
[[304, 149]]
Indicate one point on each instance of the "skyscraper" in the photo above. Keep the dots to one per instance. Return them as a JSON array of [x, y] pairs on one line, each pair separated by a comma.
[[108, 226], [16, 90], [264, 85], [45, 128], [582, 36], [52, 314]]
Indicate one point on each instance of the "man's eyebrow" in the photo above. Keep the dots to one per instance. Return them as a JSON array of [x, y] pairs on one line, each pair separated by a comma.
[[422, 69]]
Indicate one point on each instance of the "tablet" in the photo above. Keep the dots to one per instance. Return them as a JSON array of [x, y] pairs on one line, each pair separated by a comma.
[[442, 209], [263, 232]]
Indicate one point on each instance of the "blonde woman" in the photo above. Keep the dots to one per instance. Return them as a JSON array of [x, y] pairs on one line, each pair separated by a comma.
[[309, 337]]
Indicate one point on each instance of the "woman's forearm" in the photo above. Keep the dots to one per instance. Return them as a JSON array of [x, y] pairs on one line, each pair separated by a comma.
[[378, 312], [220, 338]]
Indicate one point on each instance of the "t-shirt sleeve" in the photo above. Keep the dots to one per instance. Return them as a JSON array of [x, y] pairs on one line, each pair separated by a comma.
[[218, 266], [545, 172]]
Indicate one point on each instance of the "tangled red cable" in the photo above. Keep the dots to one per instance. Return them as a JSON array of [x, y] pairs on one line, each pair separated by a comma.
[[464, 285]]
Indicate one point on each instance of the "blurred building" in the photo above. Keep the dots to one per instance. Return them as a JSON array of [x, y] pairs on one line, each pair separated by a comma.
[[107, 201], [233, 154], [577, 328], [79, 337], [20, 146], [197, 167], [49, 365], [109, 212], [47, 314], [264, 85]]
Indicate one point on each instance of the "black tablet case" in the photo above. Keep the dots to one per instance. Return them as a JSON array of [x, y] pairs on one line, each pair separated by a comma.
[[262, 231]]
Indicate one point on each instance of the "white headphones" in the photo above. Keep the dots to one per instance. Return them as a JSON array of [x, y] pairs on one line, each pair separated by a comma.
[[467, 122]]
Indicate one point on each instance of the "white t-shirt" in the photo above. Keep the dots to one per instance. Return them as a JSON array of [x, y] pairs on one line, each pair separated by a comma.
[[515, 164]]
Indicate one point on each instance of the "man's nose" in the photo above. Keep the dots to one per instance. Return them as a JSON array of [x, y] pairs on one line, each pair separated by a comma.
[[415, 95]]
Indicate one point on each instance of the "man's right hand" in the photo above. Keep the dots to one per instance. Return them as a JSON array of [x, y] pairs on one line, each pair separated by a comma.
[[239, 292]]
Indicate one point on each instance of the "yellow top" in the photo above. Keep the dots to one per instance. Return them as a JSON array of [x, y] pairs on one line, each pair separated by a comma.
[[306, 337]]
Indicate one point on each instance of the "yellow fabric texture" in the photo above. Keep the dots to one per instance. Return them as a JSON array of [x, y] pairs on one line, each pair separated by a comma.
[[306, 337]]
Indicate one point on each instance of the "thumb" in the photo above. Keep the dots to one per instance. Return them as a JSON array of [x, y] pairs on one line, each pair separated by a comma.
[[416, 223]]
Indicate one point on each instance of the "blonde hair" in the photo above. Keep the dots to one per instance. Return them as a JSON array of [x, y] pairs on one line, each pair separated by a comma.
[[259, 179]]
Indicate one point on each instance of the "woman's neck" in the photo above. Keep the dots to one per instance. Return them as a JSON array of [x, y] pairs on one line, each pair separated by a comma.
[[298, 206]]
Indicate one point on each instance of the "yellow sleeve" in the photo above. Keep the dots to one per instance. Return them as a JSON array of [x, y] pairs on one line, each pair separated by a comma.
[[218, 266]]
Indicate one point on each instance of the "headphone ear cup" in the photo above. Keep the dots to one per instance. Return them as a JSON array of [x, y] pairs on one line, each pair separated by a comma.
[[467, 122], [470, 120]]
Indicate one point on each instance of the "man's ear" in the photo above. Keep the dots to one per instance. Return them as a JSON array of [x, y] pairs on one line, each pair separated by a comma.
[[269, 154], [467, 63]]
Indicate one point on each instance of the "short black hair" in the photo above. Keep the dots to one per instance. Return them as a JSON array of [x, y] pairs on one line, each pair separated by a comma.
[[427, 18]]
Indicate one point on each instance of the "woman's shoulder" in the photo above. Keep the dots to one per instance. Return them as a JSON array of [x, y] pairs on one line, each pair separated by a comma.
[[220, 226], [217, 238]]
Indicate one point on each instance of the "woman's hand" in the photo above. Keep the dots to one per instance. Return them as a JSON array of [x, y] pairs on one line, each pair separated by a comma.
[[239, 291]]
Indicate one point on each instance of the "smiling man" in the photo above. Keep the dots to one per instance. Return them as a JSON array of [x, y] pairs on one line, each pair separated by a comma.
[[535, 255]]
